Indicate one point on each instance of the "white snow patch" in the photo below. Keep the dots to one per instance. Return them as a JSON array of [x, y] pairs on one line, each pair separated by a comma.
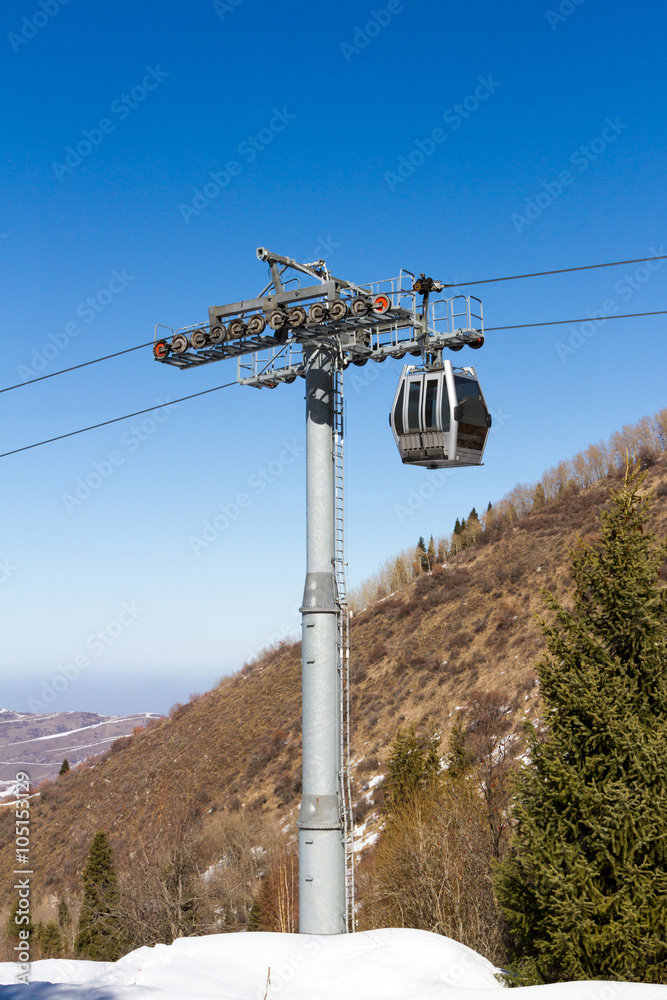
[[360, 844], [363, 837], [53, 970], [378, 965], [212, 869], [398, 964]]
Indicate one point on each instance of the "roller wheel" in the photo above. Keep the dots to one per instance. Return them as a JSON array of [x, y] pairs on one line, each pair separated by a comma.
[[277, 319], [296, 317], [360, 306], [236, 329], [338, 310], [256, 324], [199, 339], [218, 334], [317, 313]]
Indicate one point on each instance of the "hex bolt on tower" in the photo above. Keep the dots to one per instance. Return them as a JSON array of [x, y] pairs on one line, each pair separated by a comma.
[[315, 332]]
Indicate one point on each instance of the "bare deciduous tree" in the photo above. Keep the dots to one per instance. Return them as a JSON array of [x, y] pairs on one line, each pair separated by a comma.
[[431, 871]]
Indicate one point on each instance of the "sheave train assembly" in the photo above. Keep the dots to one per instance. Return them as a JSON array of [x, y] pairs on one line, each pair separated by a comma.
[[439, 416]]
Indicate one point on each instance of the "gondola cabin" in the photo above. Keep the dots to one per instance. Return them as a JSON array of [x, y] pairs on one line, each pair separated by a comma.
[[440, 418]]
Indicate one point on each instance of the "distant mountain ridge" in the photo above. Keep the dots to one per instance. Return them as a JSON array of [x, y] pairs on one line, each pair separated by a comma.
[[37, 743]]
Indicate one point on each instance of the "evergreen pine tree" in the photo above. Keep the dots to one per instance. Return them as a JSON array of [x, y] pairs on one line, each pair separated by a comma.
[[414, 764], [99, 934], [539, 496], [459, 758], [64, 767], [13, 927], [255, 915], [421, 554], [457, 527], [431, 553], [49, 940], [585, 887], [474, 527], [490, 519]]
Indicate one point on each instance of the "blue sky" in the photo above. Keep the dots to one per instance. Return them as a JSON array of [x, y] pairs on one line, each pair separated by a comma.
[[466, 141]]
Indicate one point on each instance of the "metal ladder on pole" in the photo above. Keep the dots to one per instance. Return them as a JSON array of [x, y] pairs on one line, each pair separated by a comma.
[[345, 776]]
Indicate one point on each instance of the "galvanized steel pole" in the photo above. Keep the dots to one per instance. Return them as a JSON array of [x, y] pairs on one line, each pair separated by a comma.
[[321, 849]]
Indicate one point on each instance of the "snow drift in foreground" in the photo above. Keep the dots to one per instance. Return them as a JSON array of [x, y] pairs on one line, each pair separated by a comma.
[[376, 965]]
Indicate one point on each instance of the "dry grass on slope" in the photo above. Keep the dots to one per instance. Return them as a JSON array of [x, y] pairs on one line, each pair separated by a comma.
[[416, 657], [204, 755]]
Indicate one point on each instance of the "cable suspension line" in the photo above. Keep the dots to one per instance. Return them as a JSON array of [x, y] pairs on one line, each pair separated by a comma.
[[562, 270], [582, 319], [159, 406], [485, 281], [115, 420], [63, 371]]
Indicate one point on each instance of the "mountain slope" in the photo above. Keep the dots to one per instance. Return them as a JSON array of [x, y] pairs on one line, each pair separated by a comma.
[[416, 657]]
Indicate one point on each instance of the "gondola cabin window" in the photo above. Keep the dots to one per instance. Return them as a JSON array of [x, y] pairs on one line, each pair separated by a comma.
[[398, 411], [431, 404], [473, 415], [413, 406], [444, 407]]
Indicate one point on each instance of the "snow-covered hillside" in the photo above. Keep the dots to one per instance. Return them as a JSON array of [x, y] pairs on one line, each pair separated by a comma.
[[38, 742], [377, 965]]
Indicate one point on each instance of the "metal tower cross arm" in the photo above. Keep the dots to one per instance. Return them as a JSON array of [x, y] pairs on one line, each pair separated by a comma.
[[370, 322]]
